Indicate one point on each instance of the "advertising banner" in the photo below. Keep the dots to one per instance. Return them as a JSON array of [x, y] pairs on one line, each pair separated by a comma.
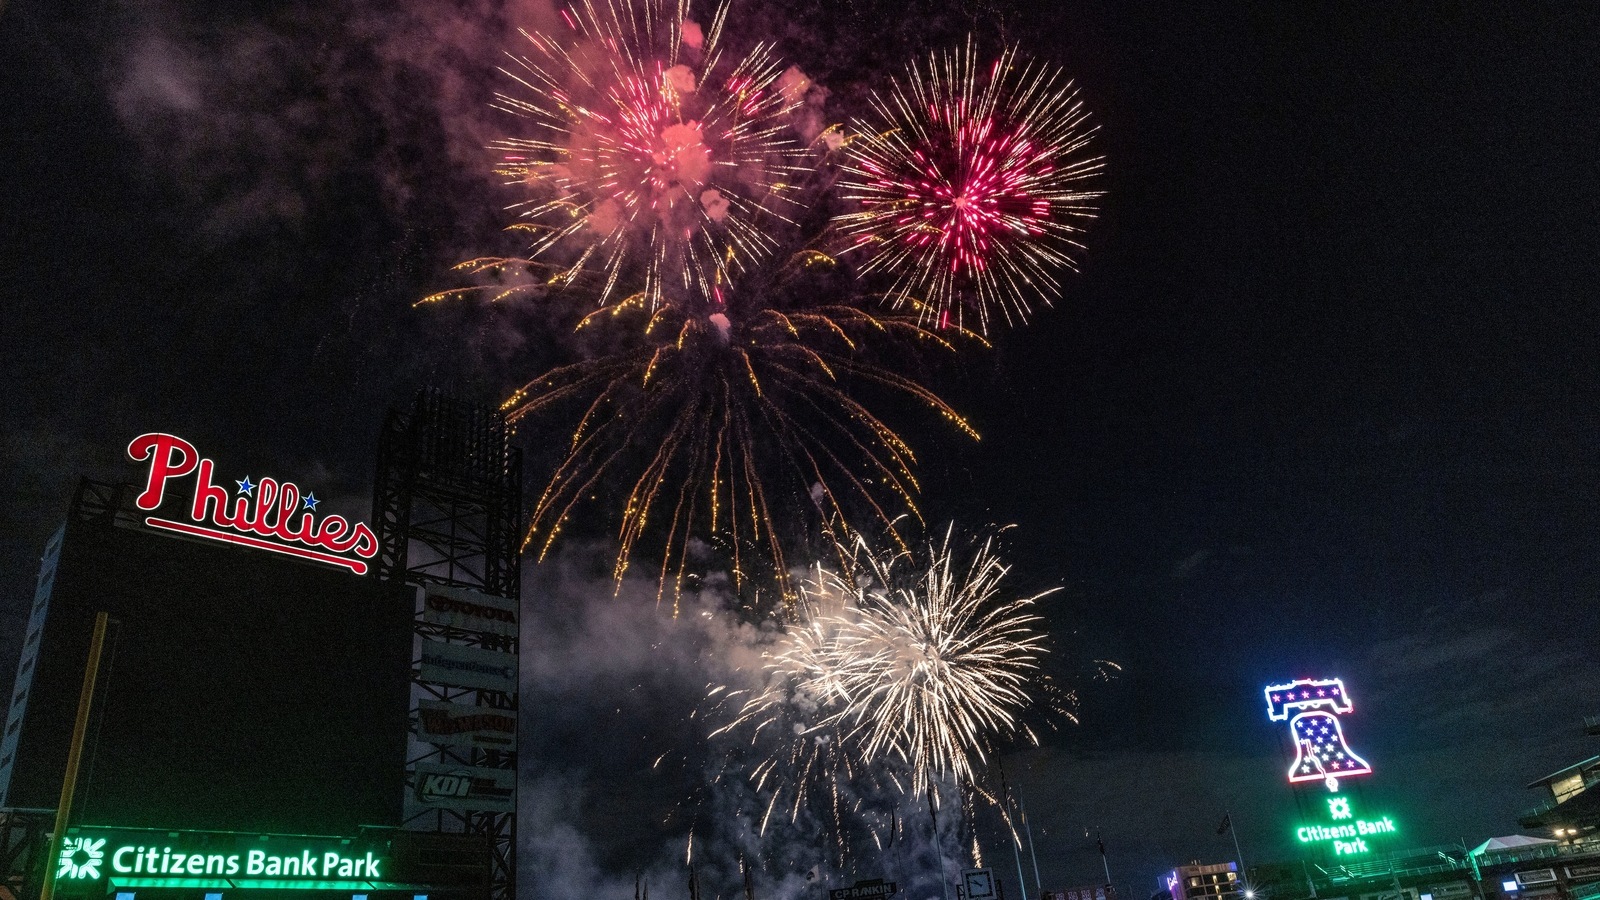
[[458, 725], [474, 788], [468, 610], [872, 889], [468, 667]]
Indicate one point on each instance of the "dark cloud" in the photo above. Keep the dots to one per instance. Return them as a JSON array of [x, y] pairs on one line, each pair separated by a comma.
[[259, 122]]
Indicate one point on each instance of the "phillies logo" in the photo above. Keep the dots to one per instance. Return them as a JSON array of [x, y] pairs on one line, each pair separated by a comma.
[[267, 508]]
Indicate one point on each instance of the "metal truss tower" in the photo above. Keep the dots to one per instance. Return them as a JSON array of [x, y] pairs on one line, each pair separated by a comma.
[[447, 501], [24, 844], [447, 506]]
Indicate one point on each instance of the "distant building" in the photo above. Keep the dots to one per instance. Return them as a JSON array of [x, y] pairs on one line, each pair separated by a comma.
[[1572, 807], [1513, 867], [1218, 881]]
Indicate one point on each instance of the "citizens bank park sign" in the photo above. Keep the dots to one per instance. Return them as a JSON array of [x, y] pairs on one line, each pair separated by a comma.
[[94, 860], [264, 514]]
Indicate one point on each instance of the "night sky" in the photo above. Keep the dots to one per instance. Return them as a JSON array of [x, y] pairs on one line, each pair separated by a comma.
[[1321, 403]]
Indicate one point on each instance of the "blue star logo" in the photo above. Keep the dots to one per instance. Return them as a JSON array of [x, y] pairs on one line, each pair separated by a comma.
[[312, 501], [245, 487]]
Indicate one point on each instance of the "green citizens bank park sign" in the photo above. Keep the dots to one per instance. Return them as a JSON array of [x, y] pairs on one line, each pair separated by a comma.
[[1345, 834], [94, 859]]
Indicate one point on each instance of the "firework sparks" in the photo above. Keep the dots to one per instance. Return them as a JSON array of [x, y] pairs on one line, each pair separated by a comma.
[[657, 158], [908, 671], [797, 712], [970, 185], [727, 420], [943, 662]]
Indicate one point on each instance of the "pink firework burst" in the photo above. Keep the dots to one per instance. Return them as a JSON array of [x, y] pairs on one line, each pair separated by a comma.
[[655, 159], [970, 188]]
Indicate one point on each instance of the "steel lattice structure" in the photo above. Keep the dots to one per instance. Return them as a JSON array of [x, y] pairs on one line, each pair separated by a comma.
[[24, 848], [447, 510]]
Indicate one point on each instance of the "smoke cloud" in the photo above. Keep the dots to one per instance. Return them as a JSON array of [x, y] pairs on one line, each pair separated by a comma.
[[267, 122], [620, 780]]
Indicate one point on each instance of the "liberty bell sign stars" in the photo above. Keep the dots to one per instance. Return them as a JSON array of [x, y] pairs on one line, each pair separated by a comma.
[[1320, 752]]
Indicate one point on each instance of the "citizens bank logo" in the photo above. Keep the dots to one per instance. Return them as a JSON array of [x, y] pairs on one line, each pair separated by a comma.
[[260, 509], [80, 859]]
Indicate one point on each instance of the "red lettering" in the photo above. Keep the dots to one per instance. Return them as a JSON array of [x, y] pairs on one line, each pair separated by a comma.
[[308, 525], [438, 721], [287, 504], [308, 530], [205, 494], [241, 514], [332, 531], [170, 457], [274, 509], [266, 504], [366, 543]]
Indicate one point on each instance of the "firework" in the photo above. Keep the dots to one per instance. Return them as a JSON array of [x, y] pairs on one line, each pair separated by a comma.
[[797, 712], [944, 662], [657, 160], [905, 672], [970, 185], [724, 421]]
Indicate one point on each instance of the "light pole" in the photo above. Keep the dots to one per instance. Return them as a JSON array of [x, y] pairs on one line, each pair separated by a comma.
[[1238, 854]]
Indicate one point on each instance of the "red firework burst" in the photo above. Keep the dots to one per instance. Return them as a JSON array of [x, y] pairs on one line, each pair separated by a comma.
[[970, 187], [656, 159]]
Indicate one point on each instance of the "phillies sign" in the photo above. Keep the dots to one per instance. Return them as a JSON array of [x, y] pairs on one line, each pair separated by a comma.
[[265, 515]]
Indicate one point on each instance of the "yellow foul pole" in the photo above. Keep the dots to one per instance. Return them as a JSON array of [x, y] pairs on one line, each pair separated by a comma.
[[69, 781]]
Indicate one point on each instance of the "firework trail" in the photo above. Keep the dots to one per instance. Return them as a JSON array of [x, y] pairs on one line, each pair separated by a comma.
[[657, 162], [970, 185], [722, 422], [904, 673]]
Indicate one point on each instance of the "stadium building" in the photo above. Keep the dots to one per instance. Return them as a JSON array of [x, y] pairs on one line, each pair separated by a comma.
[[282, 700]]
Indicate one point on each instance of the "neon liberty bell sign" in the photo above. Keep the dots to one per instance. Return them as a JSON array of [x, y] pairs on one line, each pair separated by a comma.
[[1312, 707]]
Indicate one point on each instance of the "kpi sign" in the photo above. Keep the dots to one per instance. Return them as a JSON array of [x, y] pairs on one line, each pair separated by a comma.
[[265, 514]]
